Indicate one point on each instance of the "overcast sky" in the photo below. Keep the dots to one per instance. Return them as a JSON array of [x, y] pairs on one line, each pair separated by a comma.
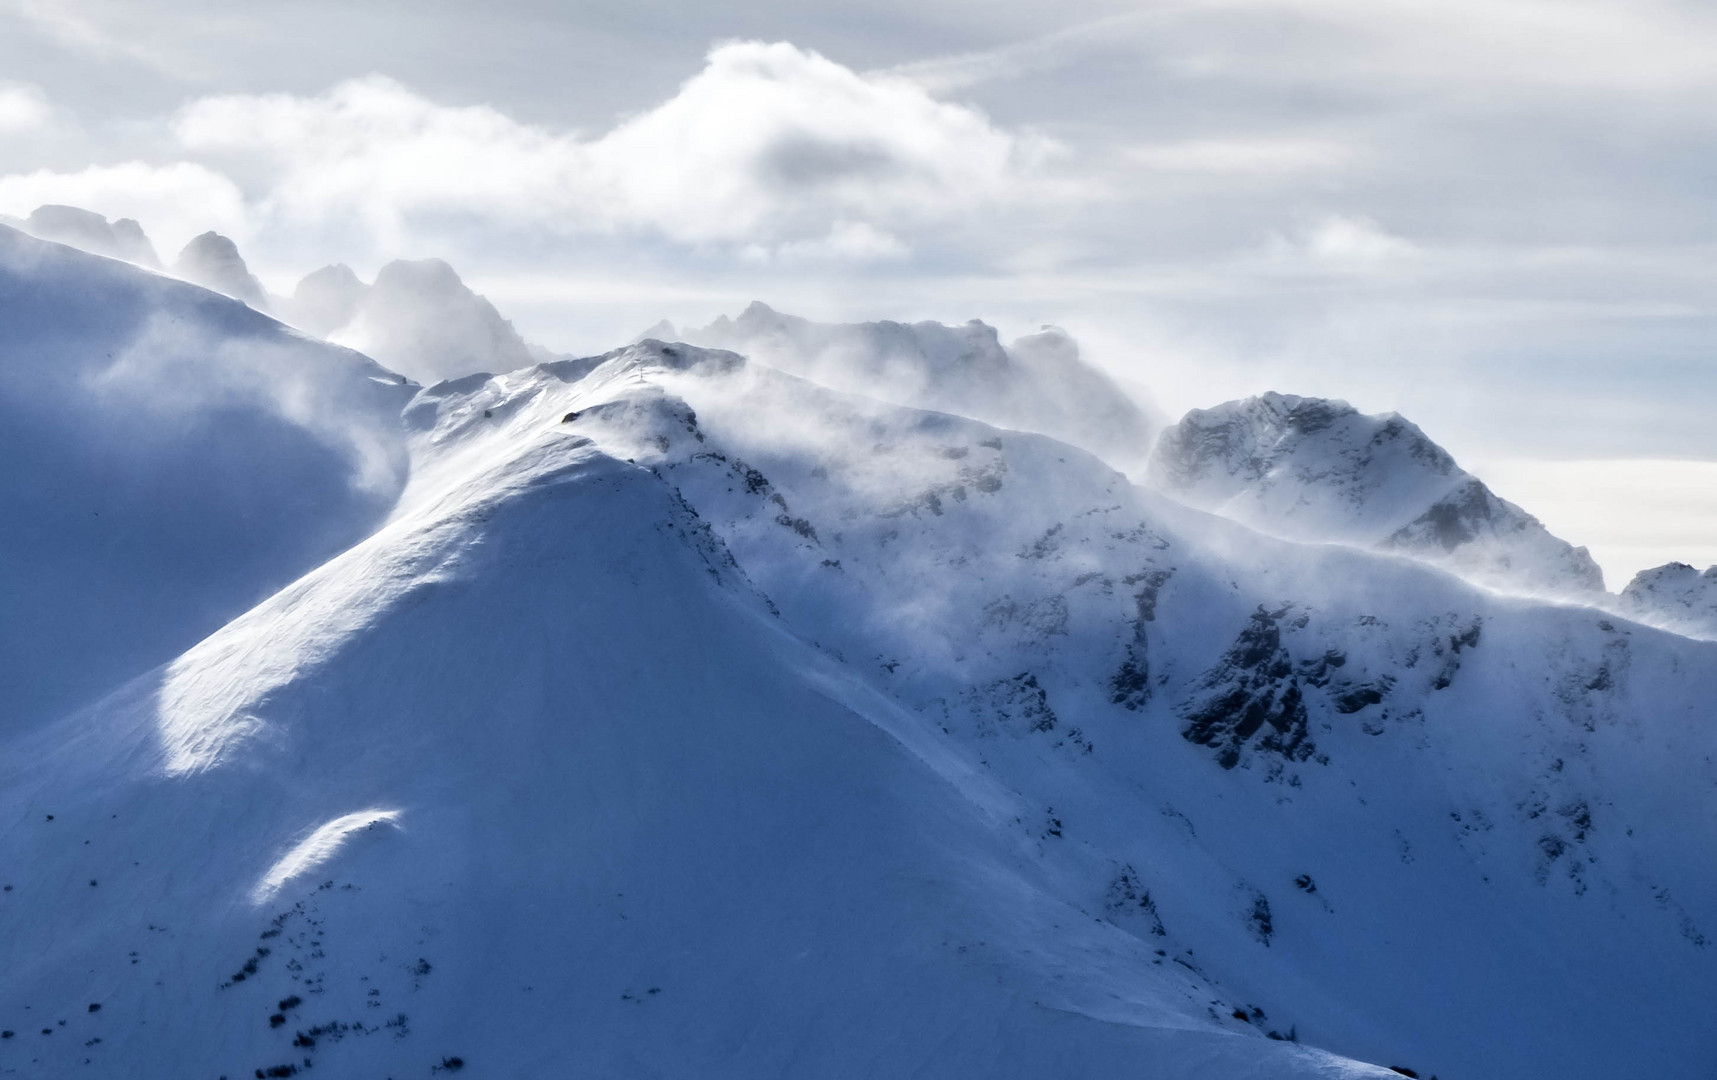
[[1496, 216]]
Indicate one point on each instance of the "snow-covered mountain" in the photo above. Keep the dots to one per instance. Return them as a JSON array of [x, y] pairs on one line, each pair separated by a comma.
[[212, 261], [417, 317], [1316, 470], [1038, 383], [325, 300], [1675, 596], [172, 458], [89, 231], [684, 716]]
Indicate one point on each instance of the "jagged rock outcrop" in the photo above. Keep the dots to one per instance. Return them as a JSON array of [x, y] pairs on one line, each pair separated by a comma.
[[1317, 470]]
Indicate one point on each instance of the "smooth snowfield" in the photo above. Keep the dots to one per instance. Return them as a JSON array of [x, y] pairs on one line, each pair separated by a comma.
[[172, 457], [672, 715]]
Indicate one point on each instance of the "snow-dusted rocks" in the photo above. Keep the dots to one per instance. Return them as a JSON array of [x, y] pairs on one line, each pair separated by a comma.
[[417, 317], [212, 261], [1674, 596], [89, 231], [1039, 383], [171, 458], [1316, 470]]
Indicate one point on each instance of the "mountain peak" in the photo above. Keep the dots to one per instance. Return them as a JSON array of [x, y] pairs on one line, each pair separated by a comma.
[[419, 317], [1676, 596], [1317, 469], [1040, 383], [91, 232], [213, 261], [326, 299]]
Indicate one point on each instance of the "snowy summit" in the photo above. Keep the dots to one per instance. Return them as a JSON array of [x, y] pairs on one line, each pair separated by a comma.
[[671, 711]]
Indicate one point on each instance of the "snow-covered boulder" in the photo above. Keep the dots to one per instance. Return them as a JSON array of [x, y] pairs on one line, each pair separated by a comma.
[[1316, 470]]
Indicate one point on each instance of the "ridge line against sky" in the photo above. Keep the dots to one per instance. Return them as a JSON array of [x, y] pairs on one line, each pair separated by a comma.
[[1491, 218]]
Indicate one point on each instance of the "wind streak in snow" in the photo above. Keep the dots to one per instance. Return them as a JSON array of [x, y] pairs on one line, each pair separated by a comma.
[[318, 848]]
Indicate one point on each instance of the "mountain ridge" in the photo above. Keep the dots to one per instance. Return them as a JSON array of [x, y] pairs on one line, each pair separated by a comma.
[[667, 707], [1318, 470]]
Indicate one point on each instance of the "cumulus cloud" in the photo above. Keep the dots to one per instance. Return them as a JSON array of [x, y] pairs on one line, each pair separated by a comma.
[[769, 147], [174, 201], [22, 108]]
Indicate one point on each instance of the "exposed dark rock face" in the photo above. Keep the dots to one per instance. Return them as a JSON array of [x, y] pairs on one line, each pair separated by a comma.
[[1252, 690], [1131, 684]]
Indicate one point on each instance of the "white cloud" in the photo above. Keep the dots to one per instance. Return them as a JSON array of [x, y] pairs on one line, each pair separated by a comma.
[[1342, 244], [1264, 155], [846, 240], [768, 146], [1352, 239], [22, 108], [175, 202]]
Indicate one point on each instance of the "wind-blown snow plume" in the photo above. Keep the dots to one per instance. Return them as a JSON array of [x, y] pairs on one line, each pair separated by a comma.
[[176, 457], [1038, 383], [1316, 470]]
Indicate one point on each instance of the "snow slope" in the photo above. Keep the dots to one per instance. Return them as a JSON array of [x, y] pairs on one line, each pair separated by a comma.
[[1038, 383], [532, 780], [1676, 597], [1315, 470], [172, 458], [686, 717], [1218, 717]]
